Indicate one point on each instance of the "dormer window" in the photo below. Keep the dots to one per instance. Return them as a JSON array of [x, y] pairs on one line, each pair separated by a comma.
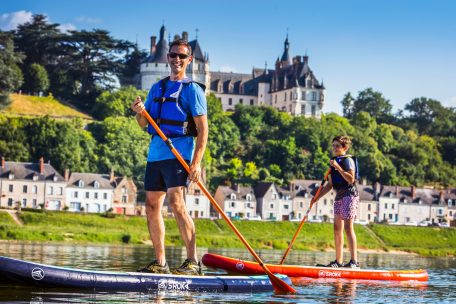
[[233, 196], [55, 178], [391, 194], [420, 201], [450, 202], [306, 195], [96, 185], [11, 176], [248, 197], [35, 178], [81, 184]]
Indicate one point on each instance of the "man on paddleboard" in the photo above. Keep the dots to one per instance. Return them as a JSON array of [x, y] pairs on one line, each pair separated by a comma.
[[178, 105]]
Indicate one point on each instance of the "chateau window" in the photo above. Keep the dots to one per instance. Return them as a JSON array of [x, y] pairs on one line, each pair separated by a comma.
[[10, 202], [386, 206], [233, 204], [59, 190], [251, 102], [34, 189], [285, 206], [368, 207], [303, 109], [314, 110], [233, 196], [309, 83], [230, 101], [24, 202], [75, 194], [124, 190], [81, 184], [241, 101], [124, 199], [291, 95], [105, 196], [87, 195], [24, 189], [96, 185], [303, 95], [285, 95], [34, 205], [95, 195], [50, 191], [197, 201], [271, 206], [301, 204]]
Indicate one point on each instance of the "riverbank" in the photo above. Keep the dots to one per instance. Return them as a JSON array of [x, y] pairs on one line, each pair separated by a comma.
[[109, 229]]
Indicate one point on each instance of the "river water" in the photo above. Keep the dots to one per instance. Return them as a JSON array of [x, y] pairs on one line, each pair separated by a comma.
[[441, 287]]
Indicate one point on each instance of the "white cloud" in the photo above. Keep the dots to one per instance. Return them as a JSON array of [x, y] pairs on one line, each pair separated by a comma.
[[451, 102], [12, 20], [67, 27], [84, 19]]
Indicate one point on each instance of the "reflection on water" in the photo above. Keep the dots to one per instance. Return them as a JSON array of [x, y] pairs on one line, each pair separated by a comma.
[[439, 289]]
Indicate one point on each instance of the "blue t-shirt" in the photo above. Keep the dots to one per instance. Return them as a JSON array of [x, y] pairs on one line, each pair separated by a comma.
[[193, 101]]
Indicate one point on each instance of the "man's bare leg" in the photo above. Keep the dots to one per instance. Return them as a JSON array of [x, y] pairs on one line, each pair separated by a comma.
[[154, 204], [184, 220]]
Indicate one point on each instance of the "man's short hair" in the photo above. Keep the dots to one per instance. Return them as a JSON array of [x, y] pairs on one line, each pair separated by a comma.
[[182, 42]]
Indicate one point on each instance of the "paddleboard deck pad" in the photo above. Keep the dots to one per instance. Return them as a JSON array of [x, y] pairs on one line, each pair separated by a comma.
[[236, 266], [19, 272]]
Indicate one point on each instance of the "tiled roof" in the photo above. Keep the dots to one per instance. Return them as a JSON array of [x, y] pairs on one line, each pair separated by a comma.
[[241, 192], [89, 180], [22, 170]]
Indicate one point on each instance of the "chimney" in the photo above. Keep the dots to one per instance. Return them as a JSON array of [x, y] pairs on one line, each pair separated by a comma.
[[176, 37], [441, 199], [305, 59], [413, 190], [41, 165], [236, 188], [153, 40], [67, 175], [3, 162], [111, 176], [185, 36]]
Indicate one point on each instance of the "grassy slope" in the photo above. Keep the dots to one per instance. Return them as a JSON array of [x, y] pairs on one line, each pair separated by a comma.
[[82, 228], [26, 105]]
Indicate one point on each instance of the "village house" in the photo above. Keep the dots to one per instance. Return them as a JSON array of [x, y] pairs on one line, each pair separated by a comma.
[[31, 185], [236, 202]]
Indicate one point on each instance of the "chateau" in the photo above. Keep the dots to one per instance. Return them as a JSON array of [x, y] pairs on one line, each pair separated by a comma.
[[290, 87]]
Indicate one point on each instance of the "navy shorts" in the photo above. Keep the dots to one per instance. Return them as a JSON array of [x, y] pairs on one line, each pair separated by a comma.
[[164, 174]]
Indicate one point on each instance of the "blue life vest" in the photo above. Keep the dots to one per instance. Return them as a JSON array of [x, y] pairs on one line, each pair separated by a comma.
[[168, 113], [338, 181]]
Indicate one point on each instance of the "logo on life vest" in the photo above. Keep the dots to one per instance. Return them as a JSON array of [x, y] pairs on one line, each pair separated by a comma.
[[329, 274], [170, 284], [239, 265], [37, 273]]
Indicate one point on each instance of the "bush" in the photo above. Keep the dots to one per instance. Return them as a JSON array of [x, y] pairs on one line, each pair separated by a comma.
[[126, 238]]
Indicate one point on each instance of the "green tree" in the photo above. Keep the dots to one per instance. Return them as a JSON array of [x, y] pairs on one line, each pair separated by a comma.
[[347, 105], [129, 72], [37, 79], [116, 103], [374, 103], [38, 40], [10, 75]]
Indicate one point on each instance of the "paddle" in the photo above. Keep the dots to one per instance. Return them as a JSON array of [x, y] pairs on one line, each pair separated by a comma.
[[312, 202], [280, 286]]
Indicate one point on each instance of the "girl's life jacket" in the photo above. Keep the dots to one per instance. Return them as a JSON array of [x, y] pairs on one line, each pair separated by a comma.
[[338, 182], [167, 110]]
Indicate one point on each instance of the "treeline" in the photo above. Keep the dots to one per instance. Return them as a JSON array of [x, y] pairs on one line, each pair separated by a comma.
[[76, 66], [414, 146]]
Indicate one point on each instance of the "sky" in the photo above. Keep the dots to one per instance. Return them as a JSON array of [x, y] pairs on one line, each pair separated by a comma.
[[403, 49]]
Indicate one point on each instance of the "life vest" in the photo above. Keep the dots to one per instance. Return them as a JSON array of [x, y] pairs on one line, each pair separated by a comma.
[[337, 180], [167, 111]]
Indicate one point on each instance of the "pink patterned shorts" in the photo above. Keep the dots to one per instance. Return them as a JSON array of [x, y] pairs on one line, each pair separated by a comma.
[[346, 207]]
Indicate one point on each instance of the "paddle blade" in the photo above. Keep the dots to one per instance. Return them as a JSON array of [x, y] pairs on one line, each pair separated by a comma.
[[280, 287]]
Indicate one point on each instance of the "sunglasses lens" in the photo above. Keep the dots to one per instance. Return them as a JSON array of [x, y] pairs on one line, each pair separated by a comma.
[[181, 56]]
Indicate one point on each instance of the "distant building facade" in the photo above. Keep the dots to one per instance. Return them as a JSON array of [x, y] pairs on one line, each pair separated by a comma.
[[290, 87], [32, 185]]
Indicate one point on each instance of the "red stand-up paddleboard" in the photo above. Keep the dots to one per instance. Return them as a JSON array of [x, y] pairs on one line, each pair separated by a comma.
[[249, 268]]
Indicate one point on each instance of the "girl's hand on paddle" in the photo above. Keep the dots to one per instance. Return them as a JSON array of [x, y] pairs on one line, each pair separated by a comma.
[[137, 105], [335, 165]]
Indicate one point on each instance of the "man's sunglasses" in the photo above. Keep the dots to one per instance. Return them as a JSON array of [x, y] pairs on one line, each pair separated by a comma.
[[181, 56]]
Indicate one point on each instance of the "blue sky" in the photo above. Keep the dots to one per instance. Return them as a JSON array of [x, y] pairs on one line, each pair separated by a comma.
[[404, 49]]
